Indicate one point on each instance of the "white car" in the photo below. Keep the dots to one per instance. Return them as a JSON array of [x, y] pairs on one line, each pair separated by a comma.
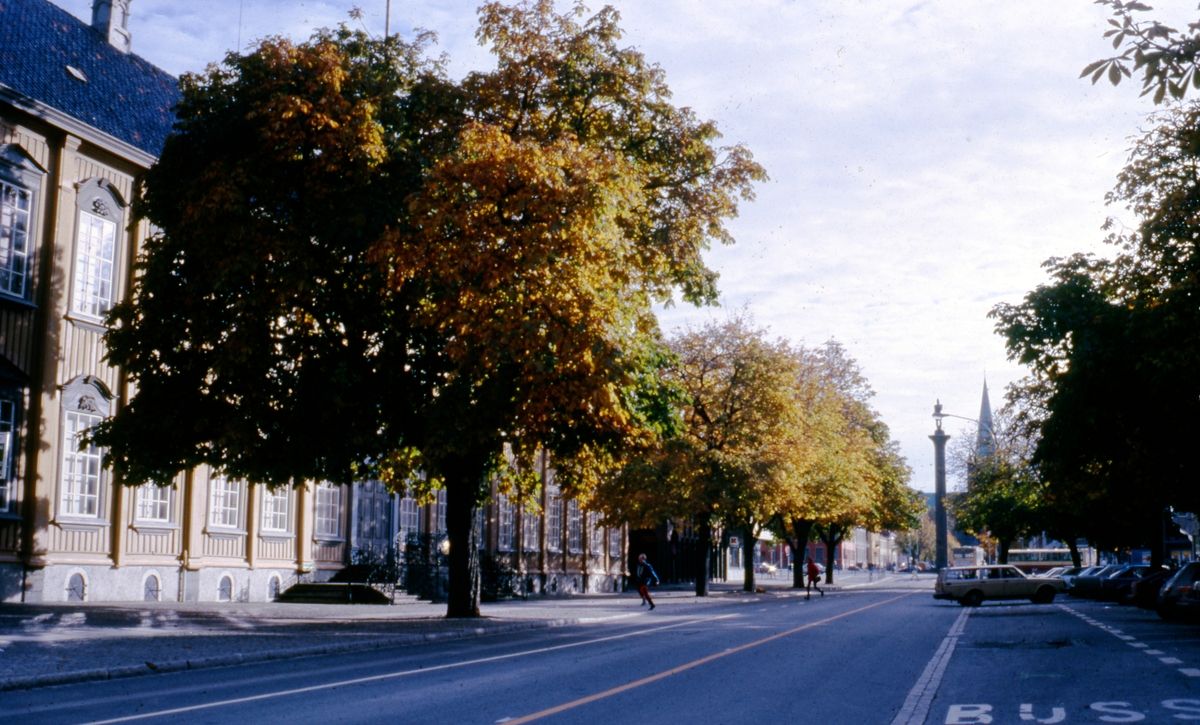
[[971, 585]]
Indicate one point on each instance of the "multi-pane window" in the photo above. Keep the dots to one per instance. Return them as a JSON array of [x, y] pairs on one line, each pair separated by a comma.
[[529, 529], [81, 468], [154, 503], [574, 527], [614, 542], [329, 510], [14, 239], [410, 517], [553, 522], [8, 422], [225, 509], [504, 523], [594, 539], [440, 510], [275, 509], [94, 255]]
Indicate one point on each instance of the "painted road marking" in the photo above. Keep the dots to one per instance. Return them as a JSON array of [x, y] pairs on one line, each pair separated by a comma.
[[690, 665], [1131, 641], [916, 705], [393, 675]]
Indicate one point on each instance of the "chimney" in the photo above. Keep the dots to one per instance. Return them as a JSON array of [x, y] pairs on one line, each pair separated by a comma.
[[111, 19]]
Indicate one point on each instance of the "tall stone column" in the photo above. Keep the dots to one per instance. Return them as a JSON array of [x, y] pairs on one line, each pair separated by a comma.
[[939, 439]]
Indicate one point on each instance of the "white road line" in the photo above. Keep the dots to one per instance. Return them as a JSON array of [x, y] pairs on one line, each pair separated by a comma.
[[1154, 652], [1170, 660], [1131, 641], [1190, 671], [393, 675], [916, 705], [1138, 644]]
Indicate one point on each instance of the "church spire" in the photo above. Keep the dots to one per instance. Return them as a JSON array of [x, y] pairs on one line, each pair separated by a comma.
[[985, 442]]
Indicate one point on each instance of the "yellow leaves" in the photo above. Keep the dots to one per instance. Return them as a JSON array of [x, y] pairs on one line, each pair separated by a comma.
[[519, 248]]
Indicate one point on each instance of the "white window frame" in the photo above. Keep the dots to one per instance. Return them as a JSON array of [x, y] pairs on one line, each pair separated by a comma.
[[410, 517], [530, 530], [95, 265], [82, 478], [439, 521], [327, 523], [276, 510], [595, 542], [554, 527], [154, 504], [574, 527], [16, 236], [504, 523], [221, 513], [614, 542], [6, 484]]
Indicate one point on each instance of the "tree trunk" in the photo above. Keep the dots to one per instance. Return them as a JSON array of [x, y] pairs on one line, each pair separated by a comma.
[[703, 554], [831, 535], [748, 560], [801, 531], [463, 592], [1002, 545], [1076, 557]]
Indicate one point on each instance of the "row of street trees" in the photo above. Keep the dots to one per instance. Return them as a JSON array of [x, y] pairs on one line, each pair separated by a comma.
[[771, 436], [1099, 440]]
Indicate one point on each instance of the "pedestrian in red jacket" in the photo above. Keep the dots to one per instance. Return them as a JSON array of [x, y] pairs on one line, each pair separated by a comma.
[[814, 576]]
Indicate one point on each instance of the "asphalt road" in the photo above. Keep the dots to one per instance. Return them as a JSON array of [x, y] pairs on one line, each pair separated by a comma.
[[873, 655]]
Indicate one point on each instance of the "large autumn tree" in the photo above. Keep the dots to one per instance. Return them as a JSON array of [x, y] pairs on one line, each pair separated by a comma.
[[366, 269]]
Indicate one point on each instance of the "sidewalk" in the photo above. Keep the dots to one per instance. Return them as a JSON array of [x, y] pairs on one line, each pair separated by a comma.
[[52, 644]]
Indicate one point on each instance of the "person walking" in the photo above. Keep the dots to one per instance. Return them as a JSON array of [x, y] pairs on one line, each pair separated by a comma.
[[814, 575], [644, 575]]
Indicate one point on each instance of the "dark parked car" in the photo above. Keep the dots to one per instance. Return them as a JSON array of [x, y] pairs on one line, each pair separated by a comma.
[[1144, 592], [1088, 585], [1116, 587], [1177, 599]]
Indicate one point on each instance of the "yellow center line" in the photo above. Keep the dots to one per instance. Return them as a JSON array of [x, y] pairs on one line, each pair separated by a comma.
[[690, 665]]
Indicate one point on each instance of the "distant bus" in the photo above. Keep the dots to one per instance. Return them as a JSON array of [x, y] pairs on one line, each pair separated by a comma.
[[967, 556], [1036, 561]]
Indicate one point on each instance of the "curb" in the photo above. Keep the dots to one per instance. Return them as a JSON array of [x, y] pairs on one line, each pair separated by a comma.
[[202, 663]]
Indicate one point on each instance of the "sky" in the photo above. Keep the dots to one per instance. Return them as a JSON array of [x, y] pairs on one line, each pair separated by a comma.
[[925, 158]]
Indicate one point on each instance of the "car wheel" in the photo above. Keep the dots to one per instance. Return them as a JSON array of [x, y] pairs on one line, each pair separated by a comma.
[[1045, 595], [972, 598]]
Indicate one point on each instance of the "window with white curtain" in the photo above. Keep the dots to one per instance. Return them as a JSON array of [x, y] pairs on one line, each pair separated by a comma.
[[441, 511], [275, 509], [595, 540], [95, 255], [614, 542]]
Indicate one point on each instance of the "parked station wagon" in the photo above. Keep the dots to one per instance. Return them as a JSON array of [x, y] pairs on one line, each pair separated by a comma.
[[971, 585]]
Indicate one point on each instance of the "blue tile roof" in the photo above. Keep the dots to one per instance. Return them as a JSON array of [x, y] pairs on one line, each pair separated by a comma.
[[124, 95]]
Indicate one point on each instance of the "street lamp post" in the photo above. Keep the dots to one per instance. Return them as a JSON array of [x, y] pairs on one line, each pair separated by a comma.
[[939, 439]]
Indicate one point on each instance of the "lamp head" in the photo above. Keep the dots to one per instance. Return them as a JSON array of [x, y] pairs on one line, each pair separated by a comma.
[[938, 414]]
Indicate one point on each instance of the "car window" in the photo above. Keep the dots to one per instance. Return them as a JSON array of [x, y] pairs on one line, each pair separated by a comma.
[[1013, 574], [960, 574], [995, 573]]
